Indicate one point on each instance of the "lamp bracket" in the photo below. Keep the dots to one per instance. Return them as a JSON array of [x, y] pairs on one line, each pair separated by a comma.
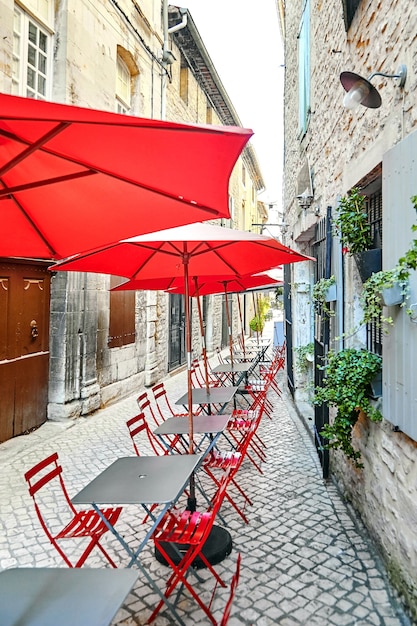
[[401, 75]]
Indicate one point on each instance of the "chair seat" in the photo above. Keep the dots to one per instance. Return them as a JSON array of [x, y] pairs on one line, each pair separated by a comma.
[[89, 524], [222, 459]]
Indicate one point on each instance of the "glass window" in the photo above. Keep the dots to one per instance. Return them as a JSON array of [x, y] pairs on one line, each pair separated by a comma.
[[304, 70], [32, 46], [123, 87]]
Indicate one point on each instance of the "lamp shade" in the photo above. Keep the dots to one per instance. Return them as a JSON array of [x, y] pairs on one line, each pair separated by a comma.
[[359, 91]]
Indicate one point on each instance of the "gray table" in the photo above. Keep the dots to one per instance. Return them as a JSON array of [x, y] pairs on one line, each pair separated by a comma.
[[240, 368], [214, 395], [210, 426], [62, 596], [145, 481]]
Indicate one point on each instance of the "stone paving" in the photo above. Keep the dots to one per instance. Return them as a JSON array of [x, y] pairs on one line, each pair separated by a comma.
[[306, 559]]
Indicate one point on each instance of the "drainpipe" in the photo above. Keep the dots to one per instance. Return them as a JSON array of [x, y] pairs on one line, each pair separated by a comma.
[[167, 56]]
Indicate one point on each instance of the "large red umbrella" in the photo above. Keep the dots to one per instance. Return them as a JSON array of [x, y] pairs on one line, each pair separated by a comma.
[[203, 286], [192, 250], [72, 179]]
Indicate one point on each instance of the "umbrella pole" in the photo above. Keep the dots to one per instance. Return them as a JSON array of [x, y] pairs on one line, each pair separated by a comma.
[[241, 325], [191, 499], [203, 336], [228, 324]]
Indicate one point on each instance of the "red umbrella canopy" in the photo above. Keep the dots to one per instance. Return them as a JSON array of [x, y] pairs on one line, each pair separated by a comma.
[[206, 285], [203, 248], [73, 179]]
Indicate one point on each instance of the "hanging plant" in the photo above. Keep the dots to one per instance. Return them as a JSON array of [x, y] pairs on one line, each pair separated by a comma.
[[305, 357], [375, 294], [348, 374], [351, 224], [320, 295]]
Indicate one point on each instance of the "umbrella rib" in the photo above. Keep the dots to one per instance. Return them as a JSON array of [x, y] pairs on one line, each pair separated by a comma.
[[31, 147], [34, 226], [40, 145], [8, 191]]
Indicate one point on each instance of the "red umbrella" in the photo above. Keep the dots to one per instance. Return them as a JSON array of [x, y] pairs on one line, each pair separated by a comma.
[[72, 179], [186, 251], [203, 286]]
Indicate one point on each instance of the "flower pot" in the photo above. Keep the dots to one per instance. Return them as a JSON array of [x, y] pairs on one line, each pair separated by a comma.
[[331, 294], [376, 386], [392, 295], [368, 262]]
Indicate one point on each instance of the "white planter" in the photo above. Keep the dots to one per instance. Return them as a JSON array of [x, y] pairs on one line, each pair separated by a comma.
[[393, 295], [331, 294]]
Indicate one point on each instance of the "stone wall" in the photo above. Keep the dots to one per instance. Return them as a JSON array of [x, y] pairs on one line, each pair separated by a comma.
[[343, 147]]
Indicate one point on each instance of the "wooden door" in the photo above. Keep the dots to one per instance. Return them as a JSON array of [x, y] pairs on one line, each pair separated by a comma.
[[24, 347]]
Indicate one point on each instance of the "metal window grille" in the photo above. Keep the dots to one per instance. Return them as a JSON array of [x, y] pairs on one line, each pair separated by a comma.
[[374, 209]]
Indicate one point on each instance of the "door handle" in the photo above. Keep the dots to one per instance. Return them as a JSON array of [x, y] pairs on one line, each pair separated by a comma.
[[34, 331]]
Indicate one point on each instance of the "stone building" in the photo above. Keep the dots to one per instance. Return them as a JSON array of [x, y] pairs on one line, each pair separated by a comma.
[[329, 150], [137, 58]]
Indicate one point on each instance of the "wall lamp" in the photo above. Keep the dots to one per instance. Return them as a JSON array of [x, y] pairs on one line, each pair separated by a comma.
[[361, 91]]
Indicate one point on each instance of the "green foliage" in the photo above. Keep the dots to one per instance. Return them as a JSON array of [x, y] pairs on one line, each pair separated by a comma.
[[303, 352], [348, 375], [371, 301], [320, 289], [257, 324], [351, 224]]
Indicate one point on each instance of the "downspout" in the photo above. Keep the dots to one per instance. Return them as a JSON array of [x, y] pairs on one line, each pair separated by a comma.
[[167, 56]]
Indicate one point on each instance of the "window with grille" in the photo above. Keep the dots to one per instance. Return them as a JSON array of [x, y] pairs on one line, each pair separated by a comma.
[[374, 333], [32, 56], [122, 316]]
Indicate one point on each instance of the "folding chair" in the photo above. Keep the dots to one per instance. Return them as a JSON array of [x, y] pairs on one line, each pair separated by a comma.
[[138, 426], [231, 461], [233, 586], [163, 404], [82, 524], [188, 531]]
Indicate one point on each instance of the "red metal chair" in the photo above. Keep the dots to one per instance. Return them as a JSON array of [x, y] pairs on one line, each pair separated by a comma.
[[163, 404], [233, 586], [137, 427], [189, 531], [146, 408], [81, 524]]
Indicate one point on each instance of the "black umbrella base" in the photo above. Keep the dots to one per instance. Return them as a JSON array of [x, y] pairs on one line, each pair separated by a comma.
[[216, 548]]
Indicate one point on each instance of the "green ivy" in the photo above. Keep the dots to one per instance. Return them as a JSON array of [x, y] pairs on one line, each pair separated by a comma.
[[348, 374], [351, 223]]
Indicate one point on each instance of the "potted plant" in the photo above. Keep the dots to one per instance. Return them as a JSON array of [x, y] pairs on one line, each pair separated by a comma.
[[324, 291], [305, 357], [348, 374], [384, 288], [353, 228]]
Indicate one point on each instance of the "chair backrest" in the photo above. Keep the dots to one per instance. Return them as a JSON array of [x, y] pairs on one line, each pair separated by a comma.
[[42, 475], [233, 586], [163, 404], [145, 406], [138, 427]]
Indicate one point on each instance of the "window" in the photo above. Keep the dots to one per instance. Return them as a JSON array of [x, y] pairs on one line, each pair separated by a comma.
[[349, 10], [123, 87], [184, 81], [304, 70], [122, 316], [32, 45], [374, 333]]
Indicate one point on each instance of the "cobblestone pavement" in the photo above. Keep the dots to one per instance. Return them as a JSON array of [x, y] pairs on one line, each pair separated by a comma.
[[305, 558]]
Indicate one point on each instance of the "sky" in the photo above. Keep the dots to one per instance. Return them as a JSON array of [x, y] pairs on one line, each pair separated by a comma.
[[243, 40]]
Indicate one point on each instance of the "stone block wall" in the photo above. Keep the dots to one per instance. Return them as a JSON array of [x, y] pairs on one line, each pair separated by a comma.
[[344, 147]]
